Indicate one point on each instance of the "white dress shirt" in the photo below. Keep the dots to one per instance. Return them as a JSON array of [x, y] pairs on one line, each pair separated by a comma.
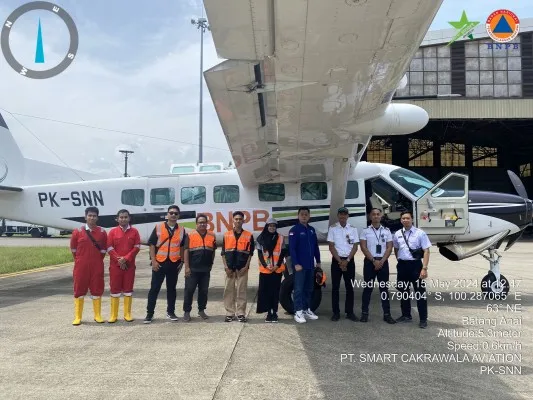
[[343, 238], [417, 239], [374, 237]]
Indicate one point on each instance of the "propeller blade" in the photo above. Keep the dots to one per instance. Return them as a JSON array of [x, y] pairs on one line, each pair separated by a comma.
[[518, 185]]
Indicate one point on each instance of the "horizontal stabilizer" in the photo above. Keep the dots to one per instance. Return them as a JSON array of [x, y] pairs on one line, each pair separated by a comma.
[[10, 189]]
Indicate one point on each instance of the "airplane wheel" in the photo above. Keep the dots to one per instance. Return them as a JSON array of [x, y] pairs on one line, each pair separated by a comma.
[[286, 295], [493, 289]]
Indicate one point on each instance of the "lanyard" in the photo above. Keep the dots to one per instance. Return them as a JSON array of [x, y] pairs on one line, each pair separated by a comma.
[[376, 235]]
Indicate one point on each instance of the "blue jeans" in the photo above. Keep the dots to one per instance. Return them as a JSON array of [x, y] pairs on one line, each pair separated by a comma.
[[303, 288]]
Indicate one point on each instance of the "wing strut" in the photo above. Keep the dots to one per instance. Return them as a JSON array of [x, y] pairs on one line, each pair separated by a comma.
[[341, 167]]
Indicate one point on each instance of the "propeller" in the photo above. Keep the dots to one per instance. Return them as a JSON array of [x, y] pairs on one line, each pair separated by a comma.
[[518, 185]]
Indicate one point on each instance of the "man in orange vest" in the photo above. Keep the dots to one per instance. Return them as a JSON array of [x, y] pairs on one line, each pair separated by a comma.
[[237, 251], [167, 244], [123, 245], [88, 246], [198, 260]]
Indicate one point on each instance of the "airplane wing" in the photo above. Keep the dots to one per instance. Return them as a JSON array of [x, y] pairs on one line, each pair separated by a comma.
[[301, 75]]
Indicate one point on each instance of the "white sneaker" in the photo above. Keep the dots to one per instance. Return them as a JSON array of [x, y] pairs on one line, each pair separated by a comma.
[[299, 317], [310, 314]]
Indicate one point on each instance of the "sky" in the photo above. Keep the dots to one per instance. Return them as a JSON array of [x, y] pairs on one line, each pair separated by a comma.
[[136, 76]]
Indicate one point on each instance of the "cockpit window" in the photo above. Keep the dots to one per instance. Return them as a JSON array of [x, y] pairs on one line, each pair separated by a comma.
[[414, 183]]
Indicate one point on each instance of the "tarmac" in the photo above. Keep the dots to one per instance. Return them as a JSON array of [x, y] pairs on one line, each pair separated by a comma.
[[42, 356]]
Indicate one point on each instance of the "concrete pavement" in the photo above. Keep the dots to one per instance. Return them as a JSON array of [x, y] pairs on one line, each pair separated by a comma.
[[43, 356]]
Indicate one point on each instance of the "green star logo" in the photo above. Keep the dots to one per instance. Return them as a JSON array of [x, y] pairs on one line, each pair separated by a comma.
[[464, 27]]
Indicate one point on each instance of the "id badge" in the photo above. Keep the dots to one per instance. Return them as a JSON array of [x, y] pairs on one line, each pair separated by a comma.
[[378, 248]]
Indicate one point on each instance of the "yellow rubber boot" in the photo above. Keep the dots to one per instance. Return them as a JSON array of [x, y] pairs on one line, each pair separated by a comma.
[[78, 310], [127, 308], [114, 309], [97, 307]]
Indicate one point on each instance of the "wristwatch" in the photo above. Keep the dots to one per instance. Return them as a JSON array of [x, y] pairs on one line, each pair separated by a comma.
[[424, 267]]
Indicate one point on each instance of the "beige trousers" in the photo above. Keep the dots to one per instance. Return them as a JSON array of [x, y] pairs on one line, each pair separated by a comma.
[[235, 294]]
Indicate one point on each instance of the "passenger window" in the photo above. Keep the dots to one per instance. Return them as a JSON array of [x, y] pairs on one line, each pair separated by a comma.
[[162, 196], [271, 192], [193, 195], [133, 197], [352, 190], [454, 186], [226, 194], [314, 191]]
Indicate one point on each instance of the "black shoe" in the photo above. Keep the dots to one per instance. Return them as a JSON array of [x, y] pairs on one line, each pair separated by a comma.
[[274, 318], [364, 318], [268, 318], [403, 318], [388, 319], [335, 317], [423, 324], [352, 317], [172, 316], [241, 318], [148, 319], [229, 318]]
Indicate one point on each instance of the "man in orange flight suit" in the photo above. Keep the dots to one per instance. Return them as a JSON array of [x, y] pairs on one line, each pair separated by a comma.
[[123, 244], [88, 245]]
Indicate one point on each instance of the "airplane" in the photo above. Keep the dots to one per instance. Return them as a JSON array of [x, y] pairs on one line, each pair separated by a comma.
[[304, 87]]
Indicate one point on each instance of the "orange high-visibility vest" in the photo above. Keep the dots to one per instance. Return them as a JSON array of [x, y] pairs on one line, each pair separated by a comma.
[[237, 252], [275, 258], [171, 247], [201, 249]]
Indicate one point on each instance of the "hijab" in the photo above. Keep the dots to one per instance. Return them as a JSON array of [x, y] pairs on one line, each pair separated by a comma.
[[268, 240]]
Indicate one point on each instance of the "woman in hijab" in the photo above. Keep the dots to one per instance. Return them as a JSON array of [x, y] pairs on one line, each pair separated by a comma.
[[271, 253]]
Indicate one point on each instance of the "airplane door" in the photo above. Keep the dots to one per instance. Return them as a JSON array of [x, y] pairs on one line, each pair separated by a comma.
[[443, 210]]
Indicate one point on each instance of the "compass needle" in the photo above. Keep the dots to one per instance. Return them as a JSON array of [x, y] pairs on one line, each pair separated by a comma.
[[39, 52]]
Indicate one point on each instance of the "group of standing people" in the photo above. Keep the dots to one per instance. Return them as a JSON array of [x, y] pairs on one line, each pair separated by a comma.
[[171, 249]]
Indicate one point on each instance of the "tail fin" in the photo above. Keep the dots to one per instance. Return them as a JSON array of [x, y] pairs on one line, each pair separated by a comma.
[[12, 165]]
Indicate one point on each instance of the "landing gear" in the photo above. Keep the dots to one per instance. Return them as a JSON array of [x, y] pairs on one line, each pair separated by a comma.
[[494, 285]]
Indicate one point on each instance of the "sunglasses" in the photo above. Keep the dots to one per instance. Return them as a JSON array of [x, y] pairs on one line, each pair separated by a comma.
[[173, 213]]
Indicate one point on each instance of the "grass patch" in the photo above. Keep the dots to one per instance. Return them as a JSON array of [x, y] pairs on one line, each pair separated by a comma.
[[16, 259]]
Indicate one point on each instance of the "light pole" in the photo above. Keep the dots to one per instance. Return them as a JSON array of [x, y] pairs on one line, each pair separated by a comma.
[[201, 24], [126, 152]]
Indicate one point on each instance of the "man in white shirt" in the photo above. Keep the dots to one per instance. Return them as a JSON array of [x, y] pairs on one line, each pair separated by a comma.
[[411, 248], [343, 240], [376, 245]]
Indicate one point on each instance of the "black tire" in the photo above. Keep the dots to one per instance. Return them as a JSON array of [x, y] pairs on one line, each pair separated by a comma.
[[35, 233], [9, 234], [285, 295], [492, 290]]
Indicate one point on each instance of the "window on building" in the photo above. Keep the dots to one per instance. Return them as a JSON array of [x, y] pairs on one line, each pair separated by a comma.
[[420, 153], [379, 151], [484, 156], [193, 195], [162, 196], [314, 191], [271, 192], [452, 155], [226, 194], [133, 197], [352, 190], [525, 170], [207, 168]]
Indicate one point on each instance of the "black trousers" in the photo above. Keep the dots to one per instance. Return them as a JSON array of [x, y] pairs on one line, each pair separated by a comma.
[[369, 276], [200, 280], [268, 292], [168, 270], [349, 276], [409, 273]]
